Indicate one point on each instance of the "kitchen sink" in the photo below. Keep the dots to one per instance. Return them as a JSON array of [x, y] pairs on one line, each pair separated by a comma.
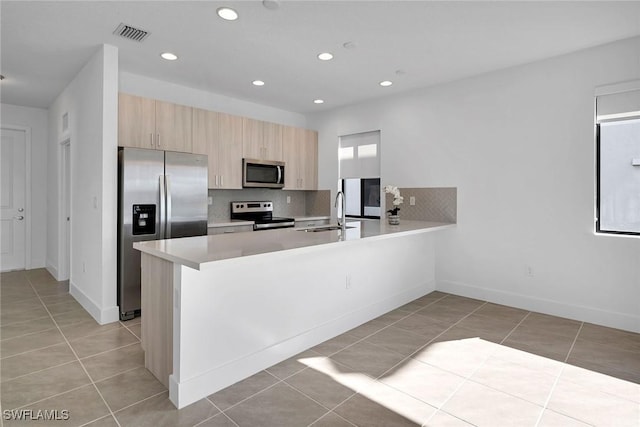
[[324, 228]]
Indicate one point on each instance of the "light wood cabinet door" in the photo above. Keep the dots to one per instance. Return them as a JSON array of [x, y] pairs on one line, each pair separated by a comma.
[[182, 136], [147, 123], [261, 140], [230, 149], [173, 127], [252, 139], [272, 141], [308, 165], [300, 152], [219, 136], [290, 151], [136, 121], [205, 140]]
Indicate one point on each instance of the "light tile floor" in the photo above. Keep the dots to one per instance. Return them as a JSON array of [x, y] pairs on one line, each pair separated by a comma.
[[441, 360]]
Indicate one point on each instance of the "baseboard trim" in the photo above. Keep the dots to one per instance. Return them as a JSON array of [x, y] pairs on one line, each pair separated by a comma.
[[101, 315], [581, 313], [53, 270]]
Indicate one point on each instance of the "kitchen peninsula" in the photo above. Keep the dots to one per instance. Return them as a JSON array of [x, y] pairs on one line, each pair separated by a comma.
[[217, 309]]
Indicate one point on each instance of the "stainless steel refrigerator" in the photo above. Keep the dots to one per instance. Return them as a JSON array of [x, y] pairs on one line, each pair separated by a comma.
[[161, 195]]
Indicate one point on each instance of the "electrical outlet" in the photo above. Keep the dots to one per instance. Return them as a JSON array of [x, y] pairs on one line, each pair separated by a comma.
[[288, 199], [210, 200], [528, 271], [412, 201]]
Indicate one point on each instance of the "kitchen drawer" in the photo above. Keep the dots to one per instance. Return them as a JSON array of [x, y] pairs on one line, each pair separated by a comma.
[[230, 229]]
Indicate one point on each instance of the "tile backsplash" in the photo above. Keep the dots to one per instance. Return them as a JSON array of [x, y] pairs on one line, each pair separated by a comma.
[[432, 204], [302, 203]]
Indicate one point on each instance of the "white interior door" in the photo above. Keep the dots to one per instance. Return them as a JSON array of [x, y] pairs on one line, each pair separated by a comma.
[[12, 200], [65, 201]]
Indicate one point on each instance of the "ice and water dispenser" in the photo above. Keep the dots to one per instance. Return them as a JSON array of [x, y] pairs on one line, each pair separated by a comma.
[[144, 219]]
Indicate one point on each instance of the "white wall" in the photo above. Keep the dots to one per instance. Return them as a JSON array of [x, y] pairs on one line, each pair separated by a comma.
[[34, 119], [518, 144], [144, 86], [91, 103]]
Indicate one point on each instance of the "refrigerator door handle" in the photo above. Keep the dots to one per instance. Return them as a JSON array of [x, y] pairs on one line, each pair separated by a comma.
[[162, 208], [168, 206]]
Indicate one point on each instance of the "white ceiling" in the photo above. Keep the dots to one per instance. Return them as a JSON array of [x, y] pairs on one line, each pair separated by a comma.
[[44, 44]]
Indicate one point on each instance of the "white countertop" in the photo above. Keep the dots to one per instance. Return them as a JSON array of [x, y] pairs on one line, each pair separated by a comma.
[[196, 252]]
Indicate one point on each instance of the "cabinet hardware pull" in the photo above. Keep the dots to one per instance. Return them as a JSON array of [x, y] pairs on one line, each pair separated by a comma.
[[158, 142], [151, 139], [221, 180]]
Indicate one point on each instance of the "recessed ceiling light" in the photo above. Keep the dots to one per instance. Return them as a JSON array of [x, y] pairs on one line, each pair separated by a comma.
[[258, 83], [271, 4], [386, 83], [325, 56], [318, 101], [227, 13], [169, 56]]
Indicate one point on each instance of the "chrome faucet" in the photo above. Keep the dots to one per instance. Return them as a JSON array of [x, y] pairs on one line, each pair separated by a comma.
[[342, 218]]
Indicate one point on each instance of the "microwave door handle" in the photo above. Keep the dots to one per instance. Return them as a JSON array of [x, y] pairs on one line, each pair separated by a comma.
[[279, 174], [168, 215]]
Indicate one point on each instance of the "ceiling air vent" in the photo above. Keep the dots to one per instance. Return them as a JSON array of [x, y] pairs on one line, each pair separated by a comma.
[[131, 33]]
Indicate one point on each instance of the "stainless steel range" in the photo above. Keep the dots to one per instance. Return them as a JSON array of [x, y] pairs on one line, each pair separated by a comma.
[[261, 213]]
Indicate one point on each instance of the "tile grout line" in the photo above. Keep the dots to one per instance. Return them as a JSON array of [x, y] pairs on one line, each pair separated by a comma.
[[386, 326], [465, 379], [139, 401], [220, 413], [431, 340], [574, 342], [75, 354], [35, 349], [514, 328], [130, 331], [254, 394], [416, 351], [75, 339], [555, 383]]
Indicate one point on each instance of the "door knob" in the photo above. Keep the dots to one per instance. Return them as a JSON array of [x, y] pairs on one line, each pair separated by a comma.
[[19, 218], [21, 210]]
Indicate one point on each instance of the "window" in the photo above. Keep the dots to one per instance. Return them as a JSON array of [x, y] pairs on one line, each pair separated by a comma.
[[618, 163], [359, 156], [362, 196]]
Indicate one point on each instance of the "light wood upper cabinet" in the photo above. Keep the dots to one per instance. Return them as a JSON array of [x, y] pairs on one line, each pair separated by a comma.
[[230, 151], [224, 138], [300, 148], [219, 136], [147, 123], [309, 156], [136, 121], [261, 140]]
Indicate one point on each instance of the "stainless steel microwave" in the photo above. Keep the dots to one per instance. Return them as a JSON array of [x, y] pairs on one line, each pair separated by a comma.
[[262, 173]]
